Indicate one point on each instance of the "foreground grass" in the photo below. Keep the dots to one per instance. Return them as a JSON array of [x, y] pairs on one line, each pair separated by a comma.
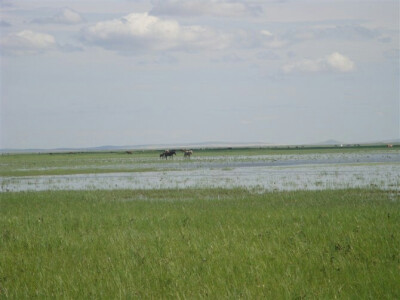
[[200, 243]]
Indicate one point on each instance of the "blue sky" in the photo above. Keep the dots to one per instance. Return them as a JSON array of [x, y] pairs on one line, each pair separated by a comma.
[[89, 73]]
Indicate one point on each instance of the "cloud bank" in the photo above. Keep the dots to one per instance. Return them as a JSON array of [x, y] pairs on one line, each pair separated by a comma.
[[66, 16], [334, 62], [27, 42], [144, 32]]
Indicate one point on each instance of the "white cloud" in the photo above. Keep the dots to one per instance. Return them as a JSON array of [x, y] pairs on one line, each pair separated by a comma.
[[339, 62], [263, 39], [138, 32], [27, 42], [66, 16], [69, 16], [266, 33], [334, 62], [204, 7]]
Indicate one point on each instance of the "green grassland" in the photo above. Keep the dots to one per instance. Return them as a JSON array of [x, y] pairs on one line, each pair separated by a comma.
[[200, 243], [33, 164]]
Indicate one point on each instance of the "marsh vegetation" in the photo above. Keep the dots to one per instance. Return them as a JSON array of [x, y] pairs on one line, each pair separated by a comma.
[[199, 243], [245, 225]]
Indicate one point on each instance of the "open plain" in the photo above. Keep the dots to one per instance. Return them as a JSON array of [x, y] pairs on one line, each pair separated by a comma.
[[232, 223]]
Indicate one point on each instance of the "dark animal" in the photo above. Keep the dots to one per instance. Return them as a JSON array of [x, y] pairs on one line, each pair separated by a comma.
[[167, 153]]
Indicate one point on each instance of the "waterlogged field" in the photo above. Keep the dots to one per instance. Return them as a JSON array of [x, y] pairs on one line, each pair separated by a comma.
[[234, 223], [200, 243], [262, 169]]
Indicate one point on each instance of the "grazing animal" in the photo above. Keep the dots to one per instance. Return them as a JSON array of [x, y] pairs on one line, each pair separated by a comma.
[[167, 153], [390, 146], [171, 153], [187, 153]]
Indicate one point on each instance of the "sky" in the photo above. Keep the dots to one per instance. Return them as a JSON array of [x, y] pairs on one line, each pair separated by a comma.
[[85, 73]]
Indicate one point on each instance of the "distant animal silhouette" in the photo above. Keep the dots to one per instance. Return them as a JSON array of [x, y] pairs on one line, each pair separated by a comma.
[[187, 153], [167, 153]]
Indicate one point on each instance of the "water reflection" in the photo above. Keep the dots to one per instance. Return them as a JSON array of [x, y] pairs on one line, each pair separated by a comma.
[[264, 177]]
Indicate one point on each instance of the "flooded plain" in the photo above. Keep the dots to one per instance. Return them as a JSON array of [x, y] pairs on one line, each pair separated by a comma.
[[261, 172]]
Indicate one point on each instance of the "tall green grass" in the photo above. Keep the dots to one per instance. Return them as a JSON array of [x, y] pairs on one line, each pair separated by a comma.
[[200, 243]]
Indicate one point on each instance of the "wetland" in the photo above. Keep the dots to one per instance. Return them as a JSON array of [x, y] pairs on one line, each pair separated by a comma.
[[226, 224], [255, 170]]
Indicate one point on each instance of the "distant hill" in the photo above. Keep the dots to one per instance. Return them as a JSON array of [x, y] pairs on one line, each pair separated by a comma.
[[395, 141], [212, 144], [330, 142], [336, 142], [140, 147]]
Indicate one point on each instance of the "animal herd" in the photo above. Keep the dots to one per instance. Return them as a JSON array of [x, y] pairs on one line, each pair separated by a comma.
[[171, 153]]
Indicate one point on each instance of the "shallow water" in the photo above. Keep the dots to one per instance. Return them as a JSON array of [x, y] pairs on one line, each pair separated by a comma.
[[277, 172], [212, 162]]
